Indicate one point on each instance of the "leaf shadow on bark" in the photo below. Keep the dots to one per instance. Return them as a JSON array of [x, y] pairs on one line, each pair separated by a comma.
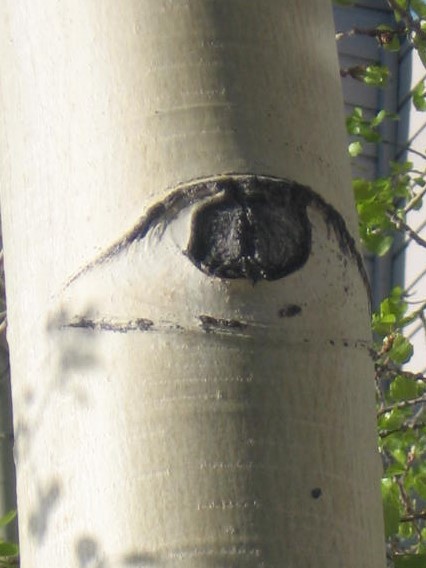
[[39, 519], [90, 554]]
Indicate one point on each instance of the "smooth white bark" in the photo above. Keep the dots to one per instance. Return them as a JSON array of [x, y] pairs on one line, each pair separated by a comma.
[[188, 443]]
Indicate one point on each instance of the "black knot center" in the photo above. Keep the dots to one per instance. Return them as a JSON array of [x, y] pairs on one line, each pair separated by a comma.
[[255, 230]]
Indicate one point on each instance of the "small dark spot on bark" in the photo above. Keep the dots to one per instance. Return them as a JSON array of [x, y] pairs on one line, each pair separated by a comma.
[[289, 311], [346, 289], [143, 324], [83, 323], [331, 342], [209, 323], [316, 493], [175, 326], [345, 344]]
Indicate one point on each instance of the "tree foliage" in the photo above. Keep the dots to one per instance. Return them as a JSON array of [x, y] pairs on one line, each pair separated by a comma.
[[383, 205]]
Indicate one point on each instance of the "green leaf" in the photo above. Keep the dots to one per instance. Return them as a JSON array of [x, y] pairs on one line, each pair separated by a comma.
[[390, 421], [379, 244], [362, 189], [396, 295], [7, 518], [373, 212], [391, 507], [402, 189], [401, 351], [379, 118], [401, 167], [402, 4], [356, 125], [402, 388], [406, 530], [393, 45], [420, 485], [395, 469], [418, 205], [388, 319], [418, 95], [376, 75], [420, 181], [391, 314], [410, 561], [369, 133], [419, 7], [354, 149], [8, 549]]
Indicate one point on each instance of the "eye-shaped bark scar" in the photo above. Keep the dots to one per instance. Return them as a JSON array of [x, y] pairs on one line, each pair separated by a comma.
[[243, 226]]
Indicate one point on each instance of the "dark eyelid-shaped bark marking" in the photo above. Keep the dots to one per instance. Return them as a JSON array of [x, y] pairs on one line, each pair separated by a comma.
[[244, 226]]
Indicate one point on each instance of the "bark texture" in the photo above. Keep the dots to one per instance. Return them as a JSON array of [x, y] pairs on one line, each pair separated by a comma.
[[186, 393]]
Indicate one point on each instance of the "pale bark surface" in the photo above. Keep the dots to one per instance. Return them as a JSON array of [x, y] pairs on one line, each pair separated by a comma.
[[164, 416]]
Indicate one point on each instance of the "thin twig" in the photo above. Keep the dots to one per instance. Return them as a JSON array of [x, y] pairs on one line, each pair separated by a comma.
[[423, 320], [402, 404], [357, 72], [413, 202], [389, 370], [400, 224], [413, 376], [383, 36], [411, 24], [414, 302], [413, 517], [403, 428], [404, 148], [405, 497]]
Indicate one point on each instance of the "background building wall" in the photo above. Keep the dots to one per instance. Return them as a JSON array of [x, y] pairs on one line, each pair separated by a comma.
[[406, 264], [374, 160]]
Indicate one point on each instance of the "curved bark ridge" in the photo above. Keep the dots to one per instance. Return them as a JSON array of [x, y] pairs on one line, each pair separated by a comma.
[[243, 226]]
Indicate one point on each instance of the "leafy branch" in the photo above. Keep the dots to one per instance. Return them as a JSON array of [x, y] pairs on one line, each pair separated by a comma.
[[402, 404]]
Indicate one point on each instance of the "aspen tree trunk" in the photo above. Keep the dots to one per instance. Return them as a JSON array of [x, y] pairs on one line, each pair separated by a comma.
[[187, 307]]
